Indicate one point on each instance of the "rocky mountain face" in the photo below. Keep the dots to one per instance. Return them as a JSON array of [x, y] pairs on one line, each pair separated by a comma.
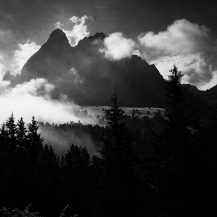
[[83, 74]]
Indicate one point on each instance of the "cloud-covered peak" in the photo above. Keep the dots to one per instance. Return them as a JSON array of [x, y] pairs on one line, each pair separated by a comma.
[[75, 28], [98, 38], [81, 72]]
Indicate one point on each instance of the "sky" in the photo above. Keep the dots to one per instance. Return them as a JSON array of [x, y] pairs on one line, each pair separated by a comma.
[[164, 33]]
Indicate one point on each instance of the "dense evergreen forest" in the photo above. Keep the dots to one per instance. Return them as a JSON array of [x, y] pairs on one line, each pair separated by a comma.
[[160, 167]]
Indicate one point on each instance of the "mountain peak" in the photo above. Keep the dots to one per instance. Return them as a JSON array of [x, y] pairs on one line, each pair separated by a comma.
[[58, 36], [98, 36], [8, 76], [57, 43]]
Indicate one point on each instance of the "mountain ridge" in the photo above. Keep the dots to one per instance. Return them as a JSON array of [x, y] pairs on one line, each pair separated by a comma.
[[84, 75]]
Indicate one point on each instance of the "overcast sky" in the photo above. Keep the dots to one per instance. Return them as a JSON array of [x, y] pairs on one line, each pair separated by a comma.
[[165, 32]]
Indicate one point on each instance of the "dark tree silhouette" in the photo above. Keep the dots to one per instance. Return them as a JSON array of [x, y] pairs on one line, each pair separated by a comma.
[[33, 135], [21, 134], [177, 149], [145, 167], [175, 98], [118, 153], [11, 129], [117, 146], [177, 129], [76, 165], [4, 148], [35, 141]]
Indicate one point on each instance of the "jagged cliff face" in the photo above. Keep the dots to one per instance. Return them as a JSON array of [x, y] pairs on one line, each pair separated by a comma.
[[84, 75]]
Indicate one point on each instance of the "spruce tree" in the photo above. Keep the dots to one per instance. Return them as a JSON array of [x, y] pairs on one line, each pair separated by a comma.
[[117, 152], [35, 142], [33, 136], [4, 149], [21, 151], [175, 102], [21, 134], [12, 145], [76, 162], [11, 129], [76, 176], [177, 147], [117, 144]]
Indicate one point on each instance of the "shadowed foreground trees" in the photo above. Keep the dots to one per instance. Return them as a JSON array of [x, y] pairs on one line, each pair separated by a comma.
[[121, 195], [158, 167], [176, 142]]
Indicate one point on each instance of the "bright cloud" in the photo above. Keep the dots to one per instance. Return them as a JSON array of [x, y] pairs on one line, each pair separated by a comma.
[[211, 83], [32, 99], [182, 37], [21, 55], [185, 44], [117, 46], [75, 29], [193, 67], [14, 54]]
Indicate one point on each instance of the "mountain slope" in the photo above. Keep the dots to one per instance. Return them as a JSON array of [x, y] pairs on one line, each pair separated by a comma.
[[84, 75]]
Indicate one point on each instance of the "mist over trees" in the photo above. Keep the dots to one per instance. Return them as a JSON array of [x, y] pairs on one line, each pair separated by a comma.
[[160, 167]]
